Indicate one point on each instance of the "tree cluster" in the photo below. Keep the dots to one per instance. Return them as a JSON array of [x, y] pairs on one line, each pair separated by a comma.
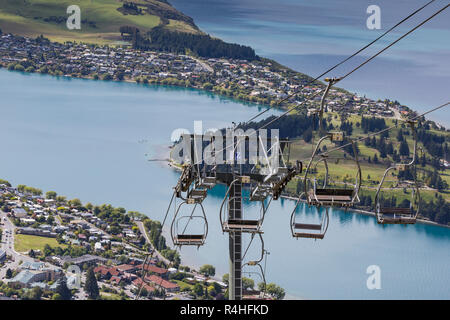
[[201, 45], [372, 124]]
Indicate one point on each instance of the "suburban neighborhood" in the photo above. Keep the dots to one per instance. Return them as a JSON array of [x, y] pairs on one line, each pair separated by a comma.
[[259, 81], [52, 248]]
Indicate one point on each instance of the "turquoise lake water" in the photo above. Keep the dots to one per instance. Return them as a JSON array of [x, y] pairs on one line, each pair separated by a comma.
[[92, 140]]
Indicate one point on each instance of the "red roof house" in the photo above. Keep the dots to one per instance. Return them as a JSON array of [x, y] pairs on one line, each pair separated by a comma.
[[167, 285]]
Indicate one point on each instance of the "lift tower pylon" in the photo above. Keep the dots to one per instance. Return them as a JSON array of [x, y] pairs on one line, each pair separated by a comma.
[[266, 177], [235, 242]]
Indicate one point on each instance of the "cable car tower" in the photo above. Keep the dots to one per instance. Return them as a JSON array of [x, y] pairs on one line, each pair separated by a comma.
[[251, 161]]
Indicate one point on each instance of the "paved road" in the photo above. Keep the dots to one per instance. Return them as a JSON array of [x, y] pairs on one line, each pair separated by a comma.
[[144, 233], [126, 245], [7, 245], [397, 114], [204, 65]]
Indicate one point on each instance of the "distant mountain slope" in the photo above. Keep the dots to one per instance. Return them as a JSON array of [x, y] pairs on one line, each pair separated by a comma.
[[101, 19]]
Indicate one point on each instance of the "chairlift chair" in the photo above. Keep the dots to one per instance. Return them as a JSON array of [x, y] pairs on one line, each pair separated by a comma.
[[260, 192], [208, 178], [180, 237], [290, 174], [207, 182], [328, 196], [239, 225], [331, 196], [309, 230], [196, 195], [257, 263], [394, 215], [185, 180]]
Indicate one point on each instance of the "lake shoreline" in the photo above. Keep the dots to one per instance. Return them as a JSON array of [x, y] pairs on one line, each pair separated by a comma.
[[276, 97], [173, 165], [369, 213]]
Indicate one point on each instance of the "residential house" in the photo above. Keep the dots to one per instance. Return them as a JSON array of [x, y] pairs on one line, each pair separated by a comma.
[[167, 285]]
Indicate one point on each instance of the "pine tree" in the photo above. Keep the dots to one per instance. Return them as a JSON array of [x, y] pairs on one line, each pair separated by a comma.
[[91, 285], [375, 158], [390, 148], [404, 148], [423, 160], [400, 135], [63, 290]]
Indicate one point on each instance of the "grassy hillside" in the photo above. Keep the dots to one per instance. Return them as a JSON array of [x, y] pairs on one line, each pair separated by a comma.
[[101, 19], [372, 172]]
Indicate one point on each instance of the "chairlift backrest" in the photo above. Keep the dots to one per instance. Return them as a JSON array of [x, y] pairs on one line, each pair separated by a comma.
[[415, 194]]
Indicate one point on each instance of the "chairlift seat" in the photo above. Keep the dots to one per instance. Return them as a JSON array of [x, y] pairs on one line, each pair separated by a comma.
[[272, 178], [194, 200], [207, 182], [242, 225], [196, 196], [209, 179], [308, 226], [259, 196], [283, 170], [309, 235], [281, 185], [397, 211], [190, 239], [398, 220], [197, 193], [331, 195], [260, 193]]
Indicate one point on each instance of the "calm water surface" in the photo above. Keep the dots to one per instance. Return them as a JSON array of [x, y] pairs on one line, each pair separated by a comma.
[[92, 140]]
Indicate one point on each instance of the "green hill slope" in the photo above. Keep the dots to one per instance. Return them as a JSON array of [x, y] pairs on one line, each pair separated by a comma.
[[101, 19]]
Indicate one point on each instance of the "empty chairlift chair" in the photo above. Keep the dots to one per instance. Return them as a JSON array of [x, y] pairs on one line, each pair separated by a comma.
[[207, 182], [196, 195], [185, 181], [289, 174], [260, 192], [207, 178], [394, 215], [329, 196], [238, 224], [182, 234], [309, 230], [260, 272]]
